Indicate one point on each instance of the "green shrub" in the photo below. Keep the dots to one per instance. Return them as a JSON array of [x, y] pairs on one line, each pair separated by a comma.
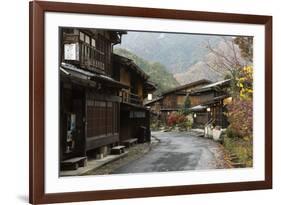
[[241, 147], [188, 124]]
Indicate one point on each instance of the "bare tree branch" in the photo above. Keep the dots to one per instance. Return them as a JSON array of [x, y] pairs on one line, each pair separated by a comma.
[[214, 69], [224, 59], [219, 54]]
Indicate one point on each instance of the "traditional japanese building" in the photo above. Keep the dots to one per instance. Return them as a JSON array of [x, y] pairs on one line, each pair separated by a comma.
[[208, 104], [94, 86], [134, 116], [173, 99]]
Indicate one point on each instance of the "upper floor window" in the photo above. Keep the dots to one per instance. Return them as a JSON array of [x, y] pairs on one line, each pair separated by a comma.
[[87, 39], [92, 51], [93, 42], [81, 36]]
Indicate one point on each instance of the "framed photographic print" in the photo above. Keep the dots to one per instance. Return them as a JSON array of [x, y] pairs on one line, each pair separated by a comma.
[[139, 102]]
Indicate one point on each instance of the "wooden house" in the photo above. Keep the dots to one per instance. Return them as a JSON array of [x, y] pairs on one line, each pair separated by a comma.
[[89, 95], [207, 104], [134, 116], [173, 99]]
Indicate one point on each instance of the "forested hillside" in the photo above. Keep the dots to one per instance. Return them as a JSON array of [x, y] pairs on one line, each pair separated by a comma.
[[176, 51], [157, 72]]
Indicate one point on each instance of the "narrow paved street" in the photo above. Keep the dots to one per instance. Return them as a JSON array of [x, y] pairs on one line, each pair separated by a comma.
[[178, 151]]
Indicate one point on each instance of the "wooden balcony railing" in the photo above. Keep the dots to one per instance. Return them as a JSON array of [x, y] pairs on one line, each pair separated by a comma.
[[131, 98], [91, 58]]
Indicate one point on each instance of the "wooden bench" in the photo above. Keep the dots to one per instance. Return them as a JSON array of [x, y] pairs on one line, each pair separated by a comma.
[[118, 149], [130, 142], [74, 163]]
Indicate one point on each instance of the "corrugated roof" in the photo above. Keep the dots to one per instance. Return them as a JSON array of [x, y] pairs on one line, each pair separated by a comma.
[[183, 87], [207, 103], [217, 83], [211, 86], [197, 108]]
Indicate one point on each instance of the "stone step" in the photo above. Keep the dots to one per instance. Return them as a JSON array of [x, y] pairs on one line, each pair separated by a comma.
[[130, 142], [234, 160], [232, 155], [238, 165], [118, 149]]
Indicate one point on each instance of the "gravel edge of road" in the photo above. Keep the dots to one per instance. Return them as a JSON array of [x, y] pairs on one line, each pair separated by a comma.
[[134, 153]]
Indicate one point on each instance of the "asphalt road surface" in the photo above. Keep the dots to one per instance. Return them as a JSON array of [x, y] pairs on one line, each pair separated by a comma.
[[178, 151]]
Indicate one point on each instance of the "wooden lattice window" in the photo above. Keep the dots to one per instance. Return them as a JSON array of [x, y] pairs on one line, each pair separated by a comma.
[[102, 118], [110, 114], [90, 119], [115, 118]]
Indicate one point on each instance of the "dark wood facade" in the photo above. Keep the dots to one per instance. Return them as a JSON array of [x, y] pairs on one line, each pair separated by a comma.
[[90, 49], [89, 95], [134, 115], [101, 94], [208, 104], [173, 99]]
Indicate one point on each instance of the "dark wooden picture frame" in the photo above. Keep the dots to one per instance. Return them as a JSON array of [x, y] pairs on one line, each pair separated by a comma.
[[36, 107]]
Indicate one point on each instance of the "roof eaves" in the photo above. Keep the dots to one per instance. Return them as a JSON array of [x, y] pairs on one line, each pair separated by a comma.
[[181, 87], [86, 75], [153, 101]]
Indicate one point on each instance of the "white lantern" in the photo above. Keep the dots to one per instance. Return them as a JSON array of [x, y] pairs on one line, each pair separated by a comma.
[[149, 96]]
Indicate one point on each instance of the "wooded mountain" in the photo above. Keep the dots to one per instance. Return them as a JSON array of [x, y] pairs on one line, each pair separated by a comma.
[[197, 72], [187, 56], [205, 68], [177, 52], [157, 72]]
